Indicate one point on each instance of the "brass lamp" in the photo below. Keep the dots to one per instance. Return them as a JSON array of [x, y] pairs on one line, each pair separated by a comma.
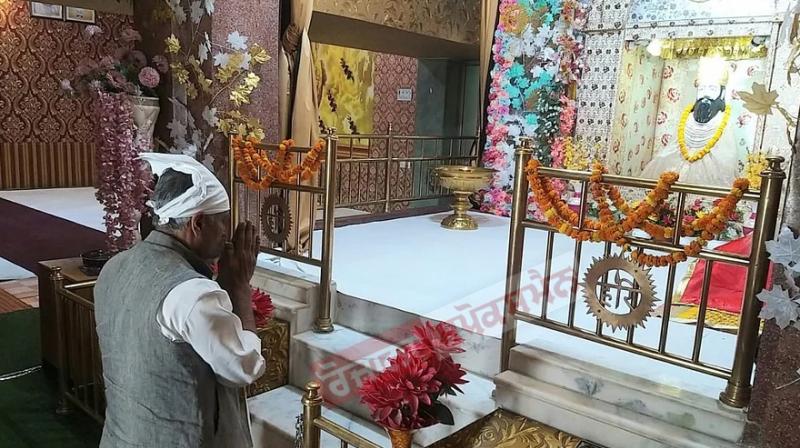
[[463, 181]]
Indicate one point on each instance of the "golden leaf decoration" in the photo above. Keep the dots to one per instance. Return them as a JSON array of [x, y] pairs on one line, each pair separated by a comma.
[[760, 101], [224, 74], [173, 44], [179, 73], [258, 54], [241, 93]]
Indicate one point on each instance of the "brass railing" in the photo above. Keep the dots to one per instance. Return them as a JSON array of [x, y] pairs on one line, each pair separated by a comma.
[[286, 214], [381, 173], [373, 173], [80, 373], [737, 392], [314, 424]]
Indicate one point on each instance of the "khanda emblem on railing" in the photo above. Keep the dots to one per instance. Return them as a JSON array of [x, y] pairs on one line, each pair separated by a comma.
[[621, 301]]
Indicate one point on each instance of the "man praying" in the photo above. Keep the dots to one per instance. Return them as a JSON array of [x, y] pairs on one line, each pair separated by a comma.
[[177, 346]]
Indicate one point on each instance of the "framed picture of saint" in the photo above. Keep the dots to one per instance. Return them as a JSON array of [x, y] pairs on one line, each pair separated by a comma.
[[47, 11], [80, 15]]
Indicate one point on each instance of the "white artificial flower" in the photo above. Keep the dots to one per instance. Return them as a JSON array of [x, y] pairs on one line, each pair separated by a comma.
[[190, 150], [237, 41], [209, 4], [221, 59], [202, 52], [208, 161], [245, 65], [514, 130], [66, 85], [196, 12], [197, 138], [180, 143], [177, 130], [210, 116]]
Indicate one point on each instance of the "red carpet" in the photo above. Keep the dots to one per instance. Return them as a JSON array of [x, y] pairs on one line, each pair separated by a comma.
[[28, 236]]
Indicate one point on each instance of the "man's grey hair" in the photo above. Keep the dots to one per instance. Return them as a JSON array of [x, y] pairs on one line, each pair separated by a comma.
[[170, 185]]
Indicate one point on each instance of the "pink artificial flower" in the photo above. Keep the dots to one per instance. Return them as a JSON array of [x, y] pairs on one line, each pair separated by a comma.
[[160, 62], [92, 30], [137, 58], [130, 35], [149, 77], [116, 80], [85, 67], [66, 86]]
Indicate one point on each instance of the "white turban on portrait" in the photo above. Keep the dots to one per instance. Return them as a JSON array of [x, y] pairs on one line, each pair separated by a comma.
[[206, 195]]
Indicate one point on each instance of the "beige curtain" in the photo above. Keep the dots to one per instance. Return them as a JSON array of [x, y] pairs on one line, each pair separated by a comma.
[[301, 123], [488, 20]]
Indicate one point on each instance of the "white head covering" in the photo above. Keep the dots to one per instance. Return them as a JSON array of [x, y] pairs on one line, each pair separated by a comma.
[[206, 195]]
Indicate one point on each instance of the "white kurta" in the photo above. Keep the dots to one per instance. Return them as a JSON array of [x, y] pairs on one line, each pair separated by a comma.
[[200, 313], [720, 167]]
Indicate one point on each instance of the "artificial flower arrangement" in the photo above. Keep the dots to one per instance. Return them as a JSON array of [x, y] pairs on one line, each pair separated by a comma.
[[262, 307], [538, 58], [127, 71], [406, 396], [207, 70], [123, 181]]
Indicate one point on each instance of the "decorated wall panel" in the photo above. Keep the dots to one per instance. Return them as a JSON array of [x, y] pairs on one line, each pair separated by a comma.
[[455, 20], [36, 117], [637, 100], [345, 88], [35, 55], [672, 10]]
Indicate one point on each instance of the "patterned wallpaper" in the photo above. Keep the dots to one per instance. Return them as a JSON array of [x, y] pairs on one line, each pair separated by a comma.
[[364, 181], [455, 20], [632, 136], [345, 88], [35, 55], [666, 10]]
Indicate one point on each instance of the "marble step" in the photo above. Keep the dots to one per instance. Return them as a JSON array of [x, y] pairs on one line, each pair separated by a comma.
[[592, 419], [285, 282], [299, 315], [273, 418], [679, 407], [341, 359], [390, 324]]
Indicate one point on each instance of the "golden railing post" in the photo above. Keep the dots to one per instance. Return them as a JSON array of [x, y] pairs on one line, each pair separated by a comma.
[[324, 323], [57, 282], [232, 185], [737, 393], [388, 185], [312, 410], [516, 242]]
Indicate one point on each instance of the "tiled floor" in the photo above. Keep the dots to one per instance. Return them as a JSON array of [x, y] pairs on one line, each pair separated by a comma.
[[25, 291]]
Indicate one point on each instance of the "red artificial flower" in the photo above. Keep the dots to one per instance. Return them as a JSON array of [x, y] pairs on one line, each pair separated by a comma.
[[395, 396], [262, 307], [450, 375], [439, 341]]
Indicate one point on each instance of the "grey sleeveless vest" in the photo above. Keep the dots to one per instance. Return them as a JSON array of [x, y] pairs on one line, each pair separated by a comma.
[[159, 393]]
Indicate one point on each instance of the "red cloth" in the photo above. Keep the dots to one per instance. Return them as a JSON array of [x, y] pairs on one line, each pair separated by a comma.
[[726, 290]]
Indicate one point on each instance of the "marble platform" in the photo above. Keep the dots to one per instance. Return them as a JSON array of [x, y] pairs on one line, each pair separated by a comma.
[[341, 359], [611, 407]]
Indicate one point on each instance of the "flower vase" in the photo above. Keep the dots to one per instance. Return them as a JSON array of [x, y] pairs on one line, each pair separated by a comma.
[[400, 438], [145, 113]]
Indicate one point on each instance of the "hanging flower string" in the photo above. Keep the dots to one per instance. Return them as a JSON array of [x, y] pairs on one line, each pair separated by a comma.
[[608, 228], [251, 161]]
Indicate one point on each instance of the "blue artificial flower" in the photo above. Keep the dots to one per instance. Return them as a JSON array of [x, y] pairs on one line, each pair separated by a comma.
[[516, 103], [523, 83], [516, 70], [513, 91], [532, 119]]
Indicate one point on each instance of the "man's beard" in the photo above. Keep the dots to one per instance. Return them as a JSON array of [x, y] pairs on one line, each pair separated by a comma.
[[705, 109]]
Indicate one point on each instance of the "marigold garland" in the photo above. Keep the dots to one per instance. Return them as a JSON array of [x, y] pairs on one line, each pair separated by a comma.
[[606, 228], [702, 152], [250, 160]]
